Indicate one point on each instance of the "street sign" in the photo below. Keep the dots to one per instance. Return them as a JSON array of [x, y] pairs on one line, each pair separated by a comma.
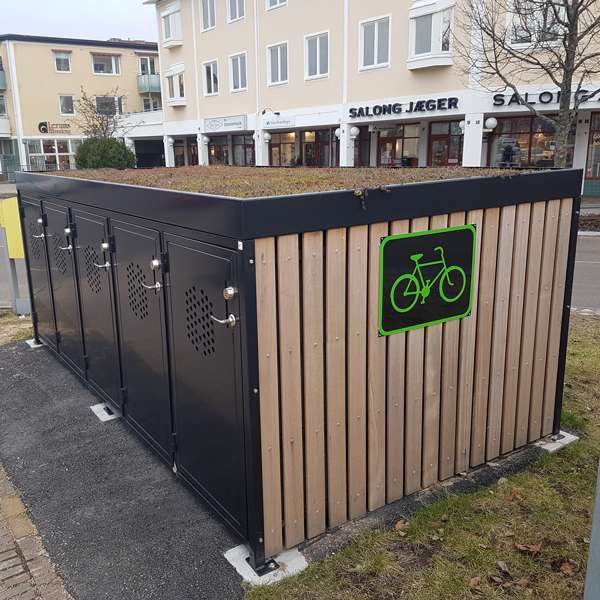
[[426, 277]]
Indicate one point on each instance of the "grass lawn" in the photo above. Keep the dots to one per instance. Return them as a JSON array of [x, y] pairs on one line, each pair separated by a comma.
[[525, 537], [13, 328]]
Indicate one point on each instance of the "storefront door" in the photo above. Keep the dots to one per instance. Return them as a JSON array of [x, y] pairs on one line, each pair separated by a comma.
[[445, 144], [593, 157]]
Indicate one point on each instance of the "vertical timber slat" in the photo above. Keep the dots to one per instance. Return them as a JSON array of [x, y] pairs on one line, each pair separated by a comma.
[[313, 373], [395, 401], [515, 321], [358, 245], [432, 389], [543, 320], [500, 329], [558, 295], [376, 378], [290, 364], [468, 333], [335, 328], [413, 430], [266, 303], [448, 399], [532, 282], [483, 348]]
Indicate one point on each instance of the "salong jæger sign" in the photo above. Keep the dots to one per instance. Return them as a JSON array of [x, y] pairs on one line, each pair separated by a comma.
[[426, 277]]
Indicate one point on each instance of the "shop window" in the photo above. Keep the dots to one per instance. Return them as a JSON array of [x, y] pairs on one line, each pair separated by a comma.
[[317, 56], [51, 154], [283, 150], [238, 73], [278, 64], [208, 15], [399, 146], [243, 150], [320, 148], [179, 153], [211, 78], [62, 62], [237, 10], [106, 64], [445, 144], [362, 148], [375, 43], [218, 150], [525, 142]]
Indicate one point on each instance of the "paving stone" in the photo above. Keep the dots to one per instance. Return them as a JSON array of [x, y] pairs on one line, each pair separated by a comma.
[[31, 547], [42, 571], [16, 580], [9, 562], [17, 592], [11, 506], [8, 573], [21, 526]]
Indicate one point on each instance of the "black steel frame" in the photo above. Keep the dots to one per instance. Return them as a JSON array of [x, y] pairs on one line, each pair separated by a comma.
[[235, 223]]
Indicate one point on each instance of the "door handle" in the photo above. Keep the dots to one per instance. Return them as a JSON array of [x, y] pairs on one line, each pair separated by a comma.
[[106, 266], [230, 321], [156, 286], [38, 237], [68, 248]]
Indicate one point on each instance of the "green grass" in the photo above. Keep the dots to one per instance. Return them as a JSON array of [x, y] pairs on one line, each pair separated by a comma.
[[14, 329], [456, 548]]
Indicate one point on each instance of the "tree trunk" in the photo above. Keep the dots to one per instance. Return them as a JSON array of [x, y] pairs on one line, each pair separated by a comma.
[[563, 130]]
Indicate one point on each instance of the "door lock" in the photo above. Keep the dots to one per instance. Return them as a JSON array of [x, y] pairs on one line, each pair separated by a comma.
[[229, 293], [105, 246], [155, 264], [230, 321], [67, 231]]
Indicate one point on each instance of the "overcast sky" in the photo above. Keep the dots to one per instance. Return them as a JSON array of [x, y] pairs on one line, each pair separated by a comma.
[[80, 18]]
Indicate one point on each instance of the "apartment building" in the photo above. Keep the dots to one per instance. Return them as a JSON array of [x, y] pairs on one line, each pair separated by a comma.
[[41, 79], [342, 82]]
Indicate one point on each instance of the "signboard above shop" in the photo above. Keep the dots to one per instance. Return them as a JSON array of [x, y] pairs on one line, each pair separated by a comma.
[[430, 105], [224, 124]]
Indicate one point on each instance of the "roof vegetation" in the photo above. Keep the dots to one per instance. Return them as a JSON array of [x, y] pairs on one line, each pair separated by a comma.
[[250, 182]]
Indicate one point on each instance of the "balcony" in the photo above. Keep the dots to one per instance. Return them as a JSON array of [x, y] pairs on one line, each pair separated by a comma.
[[148, 83], [4, 126], [2, 81]]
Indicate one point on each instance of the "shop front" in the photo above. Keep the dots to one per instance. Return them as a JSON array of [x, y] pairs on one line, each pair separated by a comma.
[[592, 171]]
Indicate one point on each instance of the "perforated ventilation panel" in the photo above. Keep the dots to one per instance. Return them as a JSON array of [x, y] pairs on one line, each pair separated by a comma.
[[60, 256], [199, 326], [35, 243], [137, 295], [92, 273]]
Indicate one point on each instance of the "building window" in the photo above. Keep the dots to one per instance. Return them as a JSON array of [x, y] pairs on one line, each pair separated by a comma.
[[237, 10], [431, 33], [109, 105], [593, 158], [51, 155], [275, 3], [66, 104], [283, 150], [239, 78], [218, 150], [445, 144], [446, 29], [375, 43], [317, 56], [106, 64], [151, 104], [62, 62], [534, 23], [525, 142], [175, 86], [211, 78], [278, 64], [320, 148], [147, 65], [172, 26], [208, 15], [2, 105], [243, 150], [399, 146]]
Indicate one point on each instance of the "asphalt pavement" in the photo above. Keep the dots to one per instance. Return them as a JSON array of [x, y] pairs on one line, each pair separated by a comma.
[[115, 521], [586, 285]]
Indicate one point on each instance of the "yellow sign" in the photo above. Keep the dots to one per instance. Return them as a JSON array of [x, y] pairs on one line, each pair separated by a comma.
[[9, 220]]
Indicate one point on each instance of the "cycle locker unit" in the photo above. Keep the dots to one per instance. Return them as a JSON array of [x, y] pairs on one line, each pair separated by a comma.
[[241, 338]]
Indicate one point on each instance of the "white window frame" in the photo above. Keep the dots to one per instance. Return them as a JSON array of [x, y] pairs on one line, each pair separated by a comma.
[[116, 64], [176, 35], [154, 103], [116, 100], [280, 4], [214, 61], [231, 57], [212, 3], [175, 72], [148, 58], [436, 57], [3, 112], [361, 38], [308, 37], [238, 18], [270, 81], [510, 23], [60, 112], [55, 54]]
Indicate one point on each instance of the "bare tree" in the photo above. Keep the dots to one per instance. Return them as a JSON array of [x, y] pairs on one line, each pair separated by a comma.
[[514, 43], [100, 116]]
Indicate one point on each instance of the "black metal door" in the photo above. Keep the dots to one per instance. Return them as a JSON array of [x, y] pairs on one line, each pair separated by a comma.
[[34, 234], [59, 240], [207, 401], [144, 356], [97, 305]]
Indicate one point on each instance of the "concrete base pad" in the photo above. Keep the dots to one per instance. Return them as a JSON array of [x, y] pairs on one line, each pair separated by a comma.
[[104, 413], [291, 562], [555, 443], [32, 344]]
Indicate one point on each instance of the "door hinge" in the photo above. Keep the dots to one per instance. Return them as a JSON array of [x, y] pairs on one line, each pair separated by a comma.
[[174, 442], [73, 228], [164, 262], [123, 392], [112, 243], [86, 361], [44, 218]]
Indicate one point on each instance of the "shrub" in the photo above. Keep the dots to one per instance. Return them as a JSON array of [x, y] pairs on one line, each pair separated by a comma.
[[104, 153]]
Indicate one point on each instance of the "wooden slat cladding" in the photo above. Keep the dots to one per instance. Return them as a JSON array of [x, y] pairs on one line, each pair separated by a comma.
[[352, 420]]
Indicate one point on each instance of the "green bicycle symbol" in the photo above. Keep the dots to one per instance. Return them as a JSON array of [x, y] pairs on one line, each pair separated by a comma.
[[408, 288]]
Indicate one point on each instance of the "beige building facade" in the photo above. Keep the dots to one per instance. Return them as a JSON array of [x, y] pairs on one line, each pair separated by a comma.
[[341, 82], [41, 80]]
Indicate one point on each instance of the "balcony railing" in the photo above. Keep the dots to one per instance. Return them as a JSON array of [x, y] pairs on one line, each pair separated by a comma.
[[2, 81], [148, 83]]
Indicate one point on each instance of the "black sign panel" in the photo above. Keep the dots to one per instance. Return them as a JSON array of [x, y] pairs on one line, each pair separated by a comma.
[[426, 278]]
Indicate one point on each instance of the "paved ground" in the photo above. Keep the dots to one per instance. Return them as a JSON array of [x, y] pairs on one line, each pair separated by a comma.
[[586, 288], [590, 206], [113, 518]]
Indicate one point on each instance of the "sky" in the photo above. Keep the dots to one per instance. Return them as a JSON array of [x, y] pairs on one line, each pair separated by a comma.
[[91, 19]]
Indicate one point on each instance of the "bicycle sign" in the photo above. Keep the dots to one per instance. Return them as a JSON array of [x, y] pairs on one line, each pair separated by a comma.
[[426, 278]]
